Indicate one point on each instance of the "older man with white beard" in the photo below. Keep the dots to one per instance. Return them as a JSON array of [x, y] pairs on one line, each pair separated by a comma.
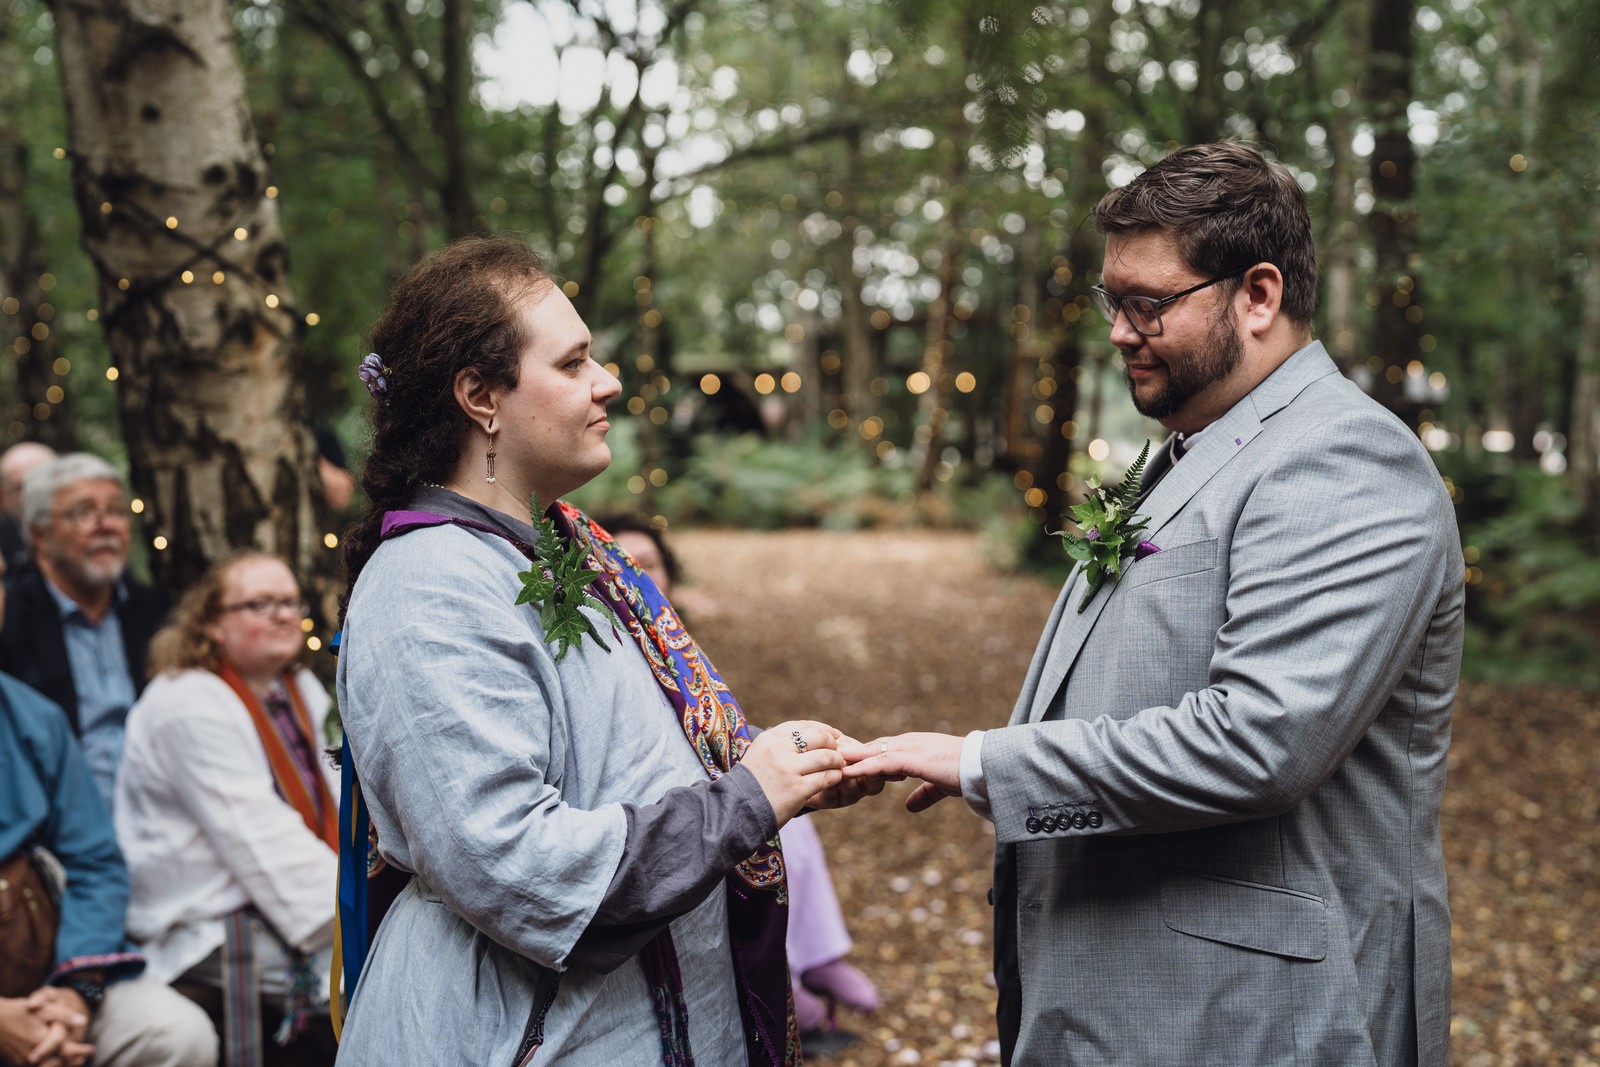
[[76, 627]]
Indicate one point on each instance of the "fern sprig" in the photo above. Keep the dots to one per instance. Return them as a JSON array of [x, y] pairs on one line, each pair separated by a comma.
[[558, 583], [1128, 491]]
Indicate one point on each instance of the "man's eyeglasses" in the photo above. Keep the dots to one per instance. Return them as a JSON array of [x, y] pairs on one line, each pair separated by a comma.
[[88, 516], [1144, 312], [267, 606]]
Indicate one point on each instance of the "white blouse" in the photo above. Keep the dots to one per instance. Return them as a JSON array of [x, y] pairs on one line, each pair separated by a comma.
[[204, 831]]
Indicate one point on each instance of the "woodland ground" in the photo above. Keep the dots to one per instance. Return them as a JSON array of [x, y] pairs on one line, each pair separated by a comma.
[[882, 632]]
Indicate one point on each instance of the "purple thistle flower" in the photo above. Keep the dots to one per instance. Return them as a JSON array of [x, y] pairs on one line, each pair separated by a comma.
[[1093, 534]]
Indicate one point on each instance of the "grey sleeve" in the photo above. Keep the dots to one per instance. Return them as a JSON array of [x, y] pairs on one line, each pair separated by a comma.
[[676, 852]]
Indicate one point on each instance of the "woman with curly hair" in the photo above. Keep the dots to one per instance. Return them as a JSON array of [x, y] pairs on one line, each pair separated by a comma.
[[228, 817]]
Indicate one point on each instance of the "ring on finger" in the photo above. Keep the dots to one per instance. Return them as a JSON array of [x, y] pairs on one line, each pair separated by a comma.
[[883, 748], [800, 744]]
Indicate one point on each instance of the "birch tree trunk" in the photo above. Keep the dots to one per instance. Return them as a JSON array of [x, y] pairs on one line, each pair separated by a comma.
[[180, 222]]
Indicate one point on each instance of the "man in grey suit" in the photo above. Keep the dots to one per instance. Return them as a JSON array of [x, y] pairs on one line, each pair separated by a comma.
[[1216, 805]]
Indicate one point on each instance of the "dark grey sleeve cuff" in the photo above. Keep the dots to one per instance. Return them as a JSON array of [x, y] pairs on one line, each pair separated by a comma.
[[678, 850]]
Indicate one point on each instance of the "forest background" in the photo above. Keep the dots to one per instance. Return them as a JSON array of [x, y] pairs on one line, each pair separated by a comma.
[[837, 251]]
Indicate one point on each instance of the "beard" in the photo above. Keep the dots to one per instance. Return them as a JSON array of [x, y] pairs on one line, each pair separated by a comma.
[[100, 566], [1216, 358]]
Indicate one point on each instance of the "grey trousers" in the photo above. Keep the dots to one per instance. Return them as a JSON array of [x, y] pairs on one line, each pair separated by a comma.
[[146, 1023]]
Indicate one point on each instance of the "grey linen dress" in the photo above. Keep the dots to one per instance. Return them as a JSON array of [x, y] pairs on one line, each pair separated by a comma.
[[531, 799]]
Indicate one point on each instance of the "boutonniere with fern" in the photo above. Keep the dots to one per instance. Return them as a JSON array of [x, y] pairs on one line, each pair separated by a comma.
[[558, 583], [1110, 529]]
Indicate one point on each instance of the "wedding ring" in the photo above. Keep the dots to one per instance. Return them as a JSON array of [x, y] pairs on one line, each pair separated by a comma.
[[799, 741], [883, 748]]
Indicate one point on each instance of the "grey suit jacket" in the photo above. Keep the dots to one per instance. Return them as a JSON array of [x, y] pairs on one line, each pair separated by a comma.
[[1217, 804]]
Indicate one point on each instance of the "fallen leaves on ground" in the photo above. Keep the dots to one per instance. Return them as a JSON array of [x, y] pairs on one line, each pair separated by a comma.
[[882, 632]]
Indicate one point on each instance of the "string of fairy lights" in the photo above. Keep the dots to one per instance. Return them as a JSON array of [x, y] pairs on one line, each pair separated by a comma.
[[207, 261], [647, 402]]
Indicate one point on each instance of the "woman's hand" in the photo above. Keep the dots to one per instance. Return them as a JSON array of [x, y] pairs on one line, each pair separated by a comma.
[[935, 758], [793, 762]]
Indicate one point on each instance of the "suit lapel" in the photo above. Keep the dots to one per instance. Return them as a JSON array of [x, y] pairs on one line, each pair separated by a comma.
[[1169, 487]]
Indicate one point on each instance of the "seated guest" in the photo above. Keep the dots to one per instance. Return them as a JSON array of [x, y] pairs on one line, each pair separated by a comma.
[[227, 815], [77, 626], [88, 1002], [15, 463]]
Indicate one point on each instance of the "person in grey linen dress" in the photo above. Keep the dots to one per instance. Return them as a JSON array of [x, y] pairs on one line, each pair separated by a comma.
[[558, 824], [1216, 804]]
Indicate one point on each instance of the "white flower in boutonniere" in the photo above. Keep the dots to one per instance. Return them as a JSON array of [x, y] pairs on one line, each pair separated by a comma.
[[1110, 537], [558, 583]]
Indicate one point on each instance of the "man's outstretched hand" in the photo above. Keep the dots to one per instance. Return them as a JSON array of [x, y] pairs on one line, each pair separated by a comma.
[[935, 758]]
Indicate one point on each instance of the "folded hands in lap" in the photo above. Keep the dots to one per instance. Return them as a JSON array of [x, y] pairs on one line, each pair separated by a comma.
[[46, 1028]]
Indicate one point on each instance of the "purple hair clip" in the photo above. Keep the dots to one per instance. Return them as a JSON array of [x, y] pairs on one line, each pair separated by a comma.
[[373, 374]]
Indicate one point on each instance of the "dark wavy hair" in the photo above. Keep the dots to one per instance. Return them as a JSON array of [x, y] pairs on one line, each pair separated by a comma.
[[1225, 205], [454, 311]]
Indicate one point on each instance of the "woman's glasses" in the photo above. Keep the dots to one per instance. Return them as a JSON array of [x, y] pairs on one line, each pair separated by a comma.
[[267, 606]]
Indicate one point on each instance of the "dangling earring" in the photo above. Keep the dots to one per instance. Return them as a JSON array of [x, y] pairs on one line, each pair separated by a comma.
[[488, 458]]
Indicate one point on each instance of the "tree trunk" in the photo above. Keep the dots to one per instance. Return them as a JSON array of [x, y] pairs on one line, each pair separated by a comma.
[[455, 89], [1203, 119], [1585, 440], [39, 408], [654, 374], [1070, 313], [857, 352], [1395, 333], [933, 408], [1341, 236], [181, 226]]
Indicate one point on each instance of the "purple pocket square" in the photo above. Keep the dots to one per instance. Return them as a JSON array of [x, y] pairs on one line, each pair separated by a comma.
[[1145, 548]]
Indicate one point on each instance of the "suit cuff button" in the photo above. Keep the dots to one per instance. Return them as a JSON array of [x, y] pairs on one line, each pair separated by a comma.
[[1096, 820], [1033, 824]]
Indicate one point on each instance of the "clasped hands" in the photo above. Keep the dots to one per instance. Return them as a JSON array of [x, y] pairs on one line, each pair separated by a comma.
[[48, 1027], [809, 764]]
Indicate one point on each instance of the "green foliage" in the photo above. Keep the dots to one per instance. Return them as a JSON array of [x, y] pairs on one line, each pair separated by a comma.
[[1110, 528], [558, 583], [749, 481], [765, 484], [1533, 594]]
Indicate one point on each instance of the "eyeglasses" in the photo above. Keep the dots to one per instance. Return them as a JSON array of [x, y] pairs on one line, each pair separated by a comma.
[[267, 606], [88, 516], [1144, 312]]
